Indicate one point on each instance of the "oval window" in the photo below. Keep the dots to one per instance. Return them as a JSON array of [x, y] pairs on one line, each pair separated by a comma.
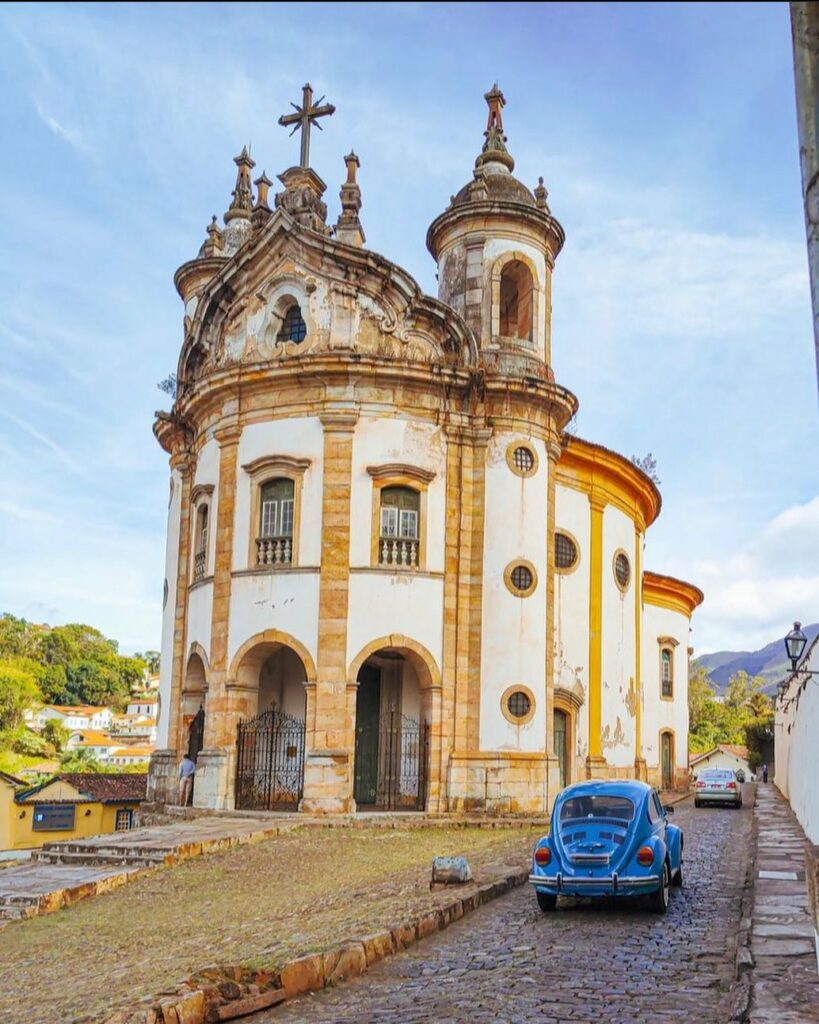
[[565, 551], [622, 571]]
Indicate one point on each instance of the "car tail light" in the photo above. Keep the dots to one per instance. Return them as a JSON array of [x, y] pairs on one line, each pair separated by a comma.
[[543, 856], [731, 785], [645, 856], [700, 785]]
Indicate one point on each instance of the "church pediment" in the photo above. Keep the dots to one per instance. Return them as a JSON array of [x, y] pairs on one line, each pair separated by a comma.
[[348, 299]]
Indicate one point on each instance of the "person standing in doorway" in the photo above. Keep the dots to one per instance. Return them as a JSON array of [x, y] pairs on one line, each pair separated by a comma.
[[187, 770]]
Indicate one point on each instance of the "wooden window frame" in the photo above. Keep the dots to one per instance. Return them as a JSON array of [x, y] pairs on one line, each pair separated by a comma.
[[415, 479], [201, 497], [667, 644], [262, 471]]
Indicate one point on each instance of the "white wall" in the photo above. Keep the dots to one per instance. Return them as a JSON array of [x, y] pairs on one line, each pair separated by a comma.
[[618, 641], [169, 610], [280, 599], [722, 759], [513, 643], [572, 609], [797, 738], [207, 472], [661, 714], [200, 610]]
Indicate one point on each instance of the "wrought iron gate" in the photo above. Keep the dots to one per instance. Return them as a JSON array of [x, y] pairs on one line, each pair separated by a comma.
[[196, 733], [403, 757], [270, 762]]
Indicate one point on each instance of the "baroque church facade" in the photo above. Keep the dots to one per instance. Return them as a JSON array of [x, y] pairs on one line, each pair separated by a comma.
[[393, 579]]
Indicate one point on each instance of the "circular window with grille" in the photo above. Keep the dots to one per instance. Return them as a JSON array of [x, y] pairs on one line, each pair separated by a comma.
[[622, 570], [521, 458], [565, 552], [293, 326], [520, 578], [518, 705]]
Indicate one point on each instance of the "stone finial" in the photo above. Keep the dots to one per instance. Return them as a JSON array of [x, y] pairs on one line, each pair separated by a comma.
[[215, 241], [494, 149], [261, 211], [242, 201], [541, 195], [301, 198], [348, 227]]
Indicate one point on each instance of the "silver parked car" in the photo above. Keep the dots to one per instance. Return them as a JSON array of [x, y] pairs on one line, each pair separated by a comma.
[[718, 786]]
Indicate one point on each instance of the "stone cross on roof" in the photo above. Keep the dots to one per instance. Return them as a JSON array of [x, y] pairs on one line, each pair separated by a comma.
[[305, 116]]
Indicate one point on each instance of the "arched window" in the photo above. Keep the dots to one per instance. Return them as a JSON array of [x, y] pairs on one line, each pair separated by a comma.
[[274, 544], [399, 528], [667, 673], [516, 301], [293, 326], [200, 545]]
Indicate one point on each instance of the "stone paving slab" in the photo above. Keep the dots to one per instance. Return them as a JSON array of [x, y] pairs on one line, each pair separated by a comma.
[[784, 978]]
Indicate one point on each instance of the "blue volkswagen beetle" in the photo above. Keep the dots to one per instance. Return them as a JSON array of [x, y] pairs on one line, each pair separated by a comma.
[[608, 839]]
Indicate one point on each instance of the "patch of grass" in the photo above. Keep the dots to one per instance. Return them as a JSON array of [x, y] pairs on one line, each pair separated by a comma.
[[11, 762], [261, 904]]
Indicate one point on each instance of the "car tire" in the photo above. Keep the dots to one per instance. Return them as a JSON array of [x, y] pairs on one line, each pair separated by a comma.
[[546, 901], [658, 900], [677, 879], [698, 803]]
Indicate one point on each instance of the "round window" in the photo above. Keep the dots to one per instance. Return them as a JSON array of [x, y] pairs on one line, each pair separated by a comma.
[[524, 460], [521, 578], [622, 570], [565, 551], [518, 704]]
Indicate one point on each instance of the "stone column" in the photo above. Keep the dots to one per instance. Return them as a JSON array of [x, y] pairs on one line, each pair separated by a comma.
[[595, 762], [553, 451], [214, 786], [162, 782], [328, 776]]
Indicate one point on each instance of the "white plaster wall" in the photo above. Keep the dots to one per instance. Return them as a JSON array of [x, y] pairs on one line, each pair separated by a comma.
[[200, 612], [282, 599], [495, 247], [659, 714], [797, 765], [300, 437], [379, 441], [169, 611], [207, 472], [513, 640], [572, 609], [382, 603], [619, 641]]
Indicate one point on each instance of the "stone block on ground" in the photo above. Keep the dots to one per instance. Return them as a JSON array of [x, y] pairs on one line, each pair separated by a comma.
[[303, 975], [451, 871], [345, 962]]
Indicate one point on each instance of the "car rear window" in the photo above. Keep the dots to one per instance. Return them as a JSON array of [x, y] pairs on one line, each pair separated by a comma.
[[717, 773], [619, 807]]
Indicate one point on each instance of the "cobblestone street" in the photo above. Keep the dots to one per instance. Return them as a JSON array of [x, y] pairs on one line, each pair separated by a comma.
[[508, 962]]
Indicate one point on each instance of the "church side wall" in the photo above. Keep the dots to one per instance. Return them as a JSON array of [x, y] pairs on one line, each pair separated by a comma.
[[619, 704], [660, 714], [513, 648], [796, 729], [572, 614], [169, 609]]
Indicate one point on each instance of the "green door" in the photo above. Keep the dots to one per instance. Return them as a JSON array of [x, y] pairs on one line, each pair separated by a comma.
[[667, 759], [367, 704], [559, 727]]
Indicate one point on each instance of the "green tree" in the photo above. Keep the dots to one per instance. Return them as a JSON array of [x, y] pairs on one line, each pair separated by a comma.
[[151, 659], [56, 734], [18, 693], [700, 691], [79, 760]]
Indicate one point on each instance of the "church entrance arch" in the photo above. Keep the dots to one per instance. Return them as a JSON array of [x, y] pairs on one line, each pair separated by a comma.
[[270, 742], [391, 766]]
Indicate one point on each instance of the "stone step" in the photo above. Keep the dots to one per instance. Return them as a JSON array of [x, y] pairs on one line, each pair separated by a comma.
[[101, 857]]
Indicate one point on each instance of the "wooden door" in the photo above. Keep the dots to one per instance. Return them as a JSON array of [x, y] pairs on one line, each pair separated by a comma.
[[667, 760], [367, 705], [560, 736]]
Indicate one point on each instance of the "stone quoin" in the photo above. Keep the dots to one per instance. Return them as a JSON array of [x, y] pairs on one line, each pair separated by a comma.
[[393, 579]]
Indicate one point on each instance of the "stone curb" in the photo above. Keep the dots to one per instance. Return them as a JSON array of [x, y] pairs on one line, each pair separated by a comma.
[[741, 995], [227, 992]]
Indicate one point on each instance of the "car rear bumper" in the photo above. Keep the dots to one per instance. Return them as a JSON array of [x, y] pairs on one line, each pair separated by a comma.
[[718, 796], [602, 885]]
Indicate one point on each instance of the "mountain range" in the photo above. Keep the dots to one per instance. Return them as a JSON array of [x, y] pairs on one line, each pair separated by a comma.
[[770, 662]]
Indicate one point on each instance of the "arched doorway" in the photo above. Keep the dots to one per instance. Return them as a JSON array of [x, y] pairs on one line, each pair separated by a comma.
[[561, 744], [667, 760], [390, 769], [271, 736]]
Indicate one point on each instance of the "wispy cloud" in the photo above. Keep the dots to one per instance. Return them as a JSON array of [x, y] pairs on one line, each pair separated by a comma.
[[44, 440], [70, 135]]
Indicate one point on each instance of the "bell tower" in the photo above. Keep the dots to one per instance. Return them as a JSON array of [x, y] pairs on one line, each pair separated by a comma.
[[495, 246]]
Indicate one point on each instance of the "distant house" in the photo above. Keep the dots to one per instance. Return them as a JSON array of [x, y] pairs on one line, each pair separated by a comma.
[[143, 705], [724, 755], [80, 716], [125, 756], [137, 726], [97, 743], [69, 806]]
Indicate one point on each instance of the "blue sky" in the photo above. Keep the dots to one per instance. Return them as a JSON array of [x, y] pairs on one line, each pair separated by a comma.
[[667, 138]]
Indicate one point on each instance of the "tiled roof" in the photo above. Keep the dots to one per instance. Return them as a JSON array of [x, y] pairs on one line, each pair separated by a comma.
[[11, 779], [135, 751], [105, 788], [76, 709], [726, 748], [92, 738]]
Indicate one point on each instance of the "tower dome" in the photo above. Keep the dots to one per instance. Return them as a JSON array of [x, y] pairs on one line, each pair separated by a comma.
[[495, 246]]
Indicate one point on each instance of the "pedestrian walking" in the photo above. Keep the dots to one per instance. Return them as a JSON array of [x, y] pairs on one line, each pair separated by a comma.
[[764, 773], [187, 770]]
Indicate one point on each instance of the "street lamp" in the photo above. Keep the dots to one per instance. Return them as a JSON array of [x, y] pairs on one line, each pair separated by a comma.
[[795, 644]]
